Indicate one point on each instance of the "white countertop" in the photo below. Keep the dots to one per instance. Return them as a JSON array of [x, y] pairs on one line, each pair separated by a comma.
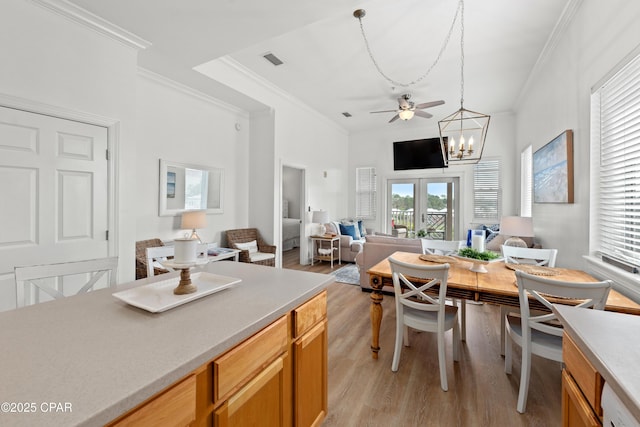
[[610, 342], [103, 357]]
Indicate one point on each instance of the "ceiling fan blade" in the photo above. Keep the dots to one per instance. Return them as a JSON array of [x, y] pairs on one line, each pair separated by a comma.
[[429, 104], [402, 101], [383, 111], [394, 118], [423, 114]]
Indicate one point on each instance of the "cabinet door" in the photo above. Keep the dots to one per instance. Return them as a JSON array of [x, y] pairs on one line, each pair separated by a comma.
[[576, 411], [259, 403], [310, 376]]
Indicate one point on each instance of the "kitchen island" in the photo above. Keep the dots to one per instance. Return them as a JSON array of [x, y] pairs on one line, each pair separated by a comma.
[[89, 359]]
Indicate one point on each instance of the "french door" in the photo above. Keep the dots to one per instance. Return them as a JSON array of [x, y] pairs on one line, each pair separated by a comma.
[[426, 207]]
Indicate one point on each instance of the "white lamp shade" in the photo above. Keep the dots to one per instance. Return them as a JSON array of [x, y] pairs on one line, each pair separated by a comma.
[[320, 217], [194, 219], [517, 226]]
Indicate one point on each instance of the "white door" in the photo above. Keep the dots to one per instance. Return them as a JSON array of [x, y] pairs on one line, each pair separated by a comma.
[[53, 193]]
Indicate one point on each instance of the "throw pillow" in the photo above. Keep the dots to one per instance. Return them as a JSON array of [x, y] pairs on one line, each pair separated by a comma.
[[361, 228], [349, 230], [496, 243], [251, 246]]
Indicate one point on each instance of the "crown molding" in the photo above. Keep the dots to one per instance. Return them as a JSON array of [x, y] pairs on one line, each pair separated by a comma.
[[236, 66], [569, 12], [187, 90], [84, 17]]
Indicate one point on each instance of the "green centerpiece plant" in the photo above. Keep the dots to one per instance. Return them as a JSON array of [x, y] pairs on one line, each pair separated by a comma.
[[474, 254]]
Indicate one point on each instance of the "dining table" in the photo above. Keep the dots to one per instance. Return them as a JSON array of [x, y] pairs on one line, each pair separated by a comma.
[[495, 286]]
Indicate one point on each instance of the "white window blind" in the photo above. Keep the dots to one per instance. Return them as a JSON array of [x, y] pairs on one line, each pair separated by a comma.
[[616, 138], [366, 193], [487, 192], [526, 181]]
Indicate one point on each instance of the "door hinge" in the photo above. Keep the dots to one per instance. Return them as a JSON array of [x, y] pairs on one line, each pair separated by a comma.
[[107, 154], [107, 234]]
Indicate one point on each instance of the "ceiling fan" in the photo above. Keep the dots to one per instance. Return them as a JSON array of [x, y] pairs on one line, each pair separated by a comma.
[[407, 109]]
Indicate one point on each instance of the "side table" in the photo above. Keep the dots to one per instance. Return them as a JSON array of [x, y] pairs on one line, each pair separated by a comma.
[[324, 248]]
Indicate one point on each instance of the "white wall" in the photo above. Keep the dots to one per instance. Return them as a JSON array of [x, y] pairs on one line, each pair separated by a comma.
[[51, 60], [183, 126], [599, 36], [375, 149]]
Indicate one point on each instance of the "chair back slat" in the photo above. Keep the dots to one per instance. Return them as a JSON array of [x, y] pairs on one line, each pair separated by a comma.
[[436, 275], [518, 255], [441, 247], [39, 277]]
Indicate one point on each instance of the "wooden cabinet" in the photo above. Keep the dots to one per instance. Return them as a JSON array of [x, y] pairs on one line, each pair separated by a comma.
[[581, 388], [277, 377], [310, 362]]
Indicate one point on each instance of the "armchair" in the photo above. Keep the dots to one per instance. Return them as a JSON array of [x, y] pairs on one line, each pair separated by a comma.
[[141, 257], [253, 248]]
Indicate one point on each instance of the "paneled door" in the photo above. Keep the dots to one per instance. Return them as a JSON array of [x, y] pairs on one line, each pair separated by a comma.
[[53, 193]]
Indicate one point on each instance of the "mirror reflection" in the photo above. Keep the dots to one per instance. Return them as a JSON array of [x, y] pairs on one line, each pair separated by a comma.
[[189, 187]]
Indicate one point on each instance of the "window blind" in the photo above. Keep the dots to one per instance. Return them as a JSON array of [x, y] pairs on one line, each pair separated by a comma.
[[526, 181], [616, 133], [486, 191], [366, 192]]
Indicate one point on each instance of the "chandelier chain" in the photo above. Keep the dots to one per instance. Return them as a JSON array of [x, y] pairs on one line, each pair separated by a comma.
[[459, 10], [461, 54]]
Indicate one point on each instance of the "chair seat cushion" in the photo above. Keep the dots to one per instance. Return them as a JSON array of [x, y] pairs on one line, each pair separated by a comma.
[[549, 346], [260, 256], [422, 319]]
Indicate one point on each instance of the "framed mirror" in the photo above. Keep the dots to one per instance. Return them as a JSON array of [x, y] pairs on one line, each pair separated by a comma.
[[189, 187]]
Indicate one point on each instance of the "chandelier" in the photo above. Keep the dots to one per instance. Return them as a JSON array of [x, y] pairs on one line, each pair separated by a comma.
[[463, 133]]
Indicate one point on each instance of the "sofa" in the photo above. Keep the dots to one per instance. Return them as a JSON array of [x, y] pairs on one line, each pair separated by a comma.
[[376, 248], [350, 244]]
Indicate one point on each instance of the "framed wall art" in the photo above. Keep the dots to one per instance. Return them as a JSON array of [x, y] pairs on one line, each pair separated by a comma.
[[553, 170]]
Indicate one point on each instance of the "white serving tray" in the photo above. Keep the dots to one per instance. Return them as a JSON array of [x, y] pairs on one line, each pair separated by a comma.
[[157, 297]]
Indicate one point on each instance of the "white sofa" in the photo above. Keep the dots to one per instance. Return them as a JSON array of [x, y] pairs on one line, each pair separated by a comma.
[[349, 247]]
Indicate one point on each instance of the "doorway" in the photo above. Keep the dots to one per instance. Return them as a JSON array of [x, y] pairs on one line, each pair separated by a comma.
[[424, 207], [293, 212]]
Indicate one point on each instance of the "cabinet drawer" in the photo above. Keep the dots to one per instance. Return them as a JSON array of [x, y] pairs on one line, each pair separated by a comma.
[[309, 314], [236, 367], [176, 407], [583, 372]]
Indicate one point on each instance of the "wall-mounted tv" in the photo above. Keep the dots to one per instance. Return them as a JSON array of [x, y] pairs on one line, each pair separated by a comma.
[[419, 154]]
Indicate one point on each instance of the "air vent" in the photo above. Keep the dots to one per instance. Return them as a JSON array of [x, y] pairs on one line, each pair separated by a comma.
[[346, 114], [273, 59]]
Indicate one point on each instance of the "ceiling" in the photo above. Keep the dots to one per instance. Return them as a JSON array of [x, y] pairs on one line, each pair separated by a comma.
[[326, 64]]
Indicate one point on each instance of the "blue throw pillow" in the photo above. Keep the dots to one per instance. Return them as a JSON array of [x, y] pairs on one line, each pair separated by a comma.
[[361, 228], [349, 230]]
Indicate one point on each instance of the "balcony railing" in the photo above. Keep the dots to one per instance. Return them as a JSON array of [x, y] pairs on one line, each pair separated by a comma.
[[436, 223]]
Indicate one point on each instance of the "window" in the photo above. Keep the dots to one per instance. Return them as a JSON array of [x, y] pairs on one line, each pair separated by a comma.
[[487, 194], [526, 181], [615, 152], [366, 193]]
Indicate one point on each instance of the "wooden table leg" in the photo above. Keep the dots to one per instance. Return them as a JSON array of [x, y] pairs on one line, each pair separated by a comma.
[[375, 312]]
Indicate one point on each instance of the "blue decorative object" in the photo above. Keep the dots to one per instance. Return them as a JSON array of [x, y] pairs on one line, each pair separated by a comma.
[[361, 228], [349, 230]]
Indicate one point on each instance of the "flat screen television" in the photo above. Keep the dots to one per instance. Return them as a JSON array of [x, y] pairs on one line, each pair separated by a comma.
[[418, 154]]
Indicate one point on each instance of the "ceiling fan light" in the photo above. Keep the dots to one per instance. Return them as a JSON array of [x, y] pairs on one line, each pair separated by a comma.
[[406, 114]]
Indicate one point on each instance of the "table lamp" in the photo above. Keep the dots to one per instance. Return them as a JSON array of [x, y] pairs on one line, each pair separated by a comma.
[[193, 220], [320, 217], [516, 227]]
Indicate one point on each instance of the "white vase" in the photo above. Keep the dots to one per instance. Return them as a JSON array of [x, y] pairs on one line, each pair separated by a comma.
[[185, 251]]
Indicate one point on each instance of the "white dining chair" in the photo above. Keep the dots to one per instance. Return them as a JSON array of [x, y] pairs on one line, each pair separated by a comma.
[[448, 247], [519, 255], [63, 279], [541, 334], [427, 313]]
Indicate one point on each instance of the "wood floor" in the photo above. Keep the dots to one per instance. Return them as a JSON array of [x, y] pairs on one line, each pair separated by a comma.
[[365, 392]]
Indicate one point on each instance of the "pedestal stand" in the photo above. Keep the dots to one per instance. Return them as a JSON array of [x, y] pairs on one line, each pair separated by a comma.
[[185, 286]]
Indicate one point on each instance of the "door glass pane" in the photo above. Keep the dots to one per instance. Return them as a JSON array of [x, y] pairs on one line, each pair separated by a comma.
[[403, 208], [437, 209]]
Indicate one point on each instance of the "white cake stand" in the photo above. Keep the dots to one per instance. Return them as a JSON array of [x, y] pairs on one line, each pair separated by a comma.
[[185, 286]]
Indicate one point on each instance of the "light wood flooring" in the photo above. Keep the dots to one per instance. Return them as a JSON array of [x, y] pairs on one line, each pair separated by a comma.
[[365, 392]]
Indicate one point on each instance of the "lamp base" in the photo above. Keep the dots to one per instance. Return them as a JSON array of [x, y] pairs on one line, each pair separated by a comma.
[[322, 231], [195, 236], [516, 242]]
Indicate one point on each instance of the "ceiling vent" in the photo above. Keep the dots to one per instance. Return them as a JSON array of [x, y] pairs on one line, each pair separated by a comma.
[[273, 59], [346, 114]]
